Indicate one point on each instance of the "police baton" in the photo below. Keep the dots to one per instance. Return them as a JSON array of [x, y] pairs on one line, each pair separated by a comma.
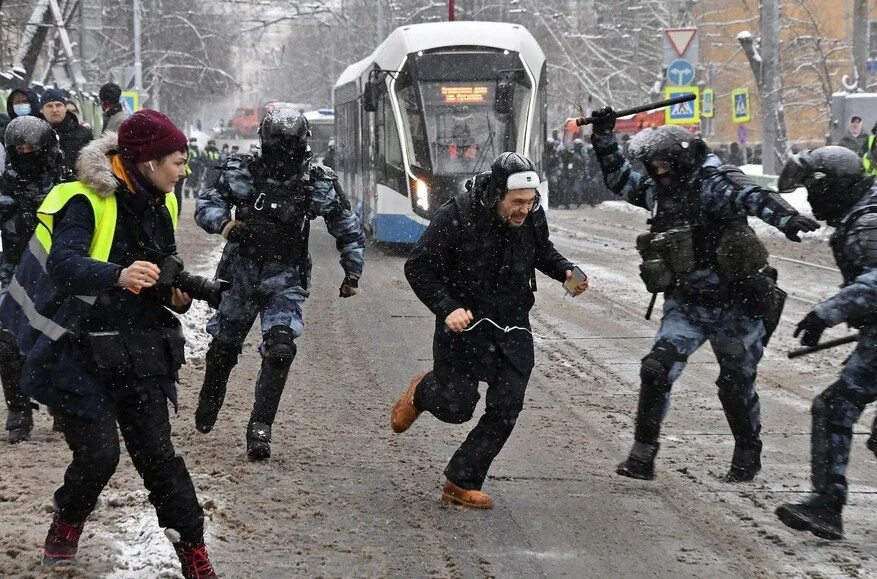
[[824, 346], [651, 307], [643, 108]]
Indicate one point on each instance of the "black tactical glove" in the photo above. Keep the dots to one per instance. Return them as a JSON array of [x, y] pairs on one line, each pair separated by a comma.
[[349, 287], [812, 326], [800, 224], [603, 121]]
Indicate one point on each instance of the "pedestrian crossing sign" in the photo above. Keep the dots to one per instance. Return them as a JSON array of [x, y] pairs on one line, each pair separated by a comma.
[[708, 101], [741, 106], [130, 101], [687, 113]]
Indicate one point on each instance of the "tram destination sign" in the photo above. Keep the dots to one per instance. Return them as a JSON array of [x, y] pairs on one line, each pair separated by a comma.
[[464, 94]]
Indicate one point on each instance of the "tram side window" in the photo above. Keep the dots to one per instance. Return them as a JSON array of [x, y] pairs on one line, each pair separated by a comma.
[[537, 137], [389, 167]]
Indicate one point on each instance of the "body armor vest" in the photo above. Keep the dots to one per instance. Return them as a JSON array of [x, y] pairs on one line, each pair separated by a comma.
[[28, 194], [849, 266], [683, 211], [277, 223]]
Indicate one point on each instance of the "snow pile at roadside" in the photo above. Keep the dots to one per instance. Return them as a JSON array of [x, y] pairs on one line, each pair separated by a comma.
[[136, 541], [195, 320]]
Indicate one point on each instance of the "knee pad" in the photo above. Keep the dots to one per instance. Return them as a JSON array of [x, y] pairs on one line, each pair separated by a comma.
[[279, 346], [655, 369]]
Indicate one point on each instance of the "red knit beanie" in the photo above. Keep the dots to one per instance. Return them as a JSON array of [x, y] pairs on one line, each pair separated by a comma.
[[148, 135]]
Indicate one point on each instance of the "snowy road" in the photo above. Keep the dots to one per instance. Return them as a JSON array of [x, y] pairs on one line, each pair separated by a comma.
[[344, 496]]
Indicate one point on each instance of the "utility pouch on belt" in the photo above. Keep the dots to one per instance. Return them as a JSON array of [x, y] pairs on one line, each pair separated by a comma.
[[108, 351], [667, 256], [772, 317], [158, 352]]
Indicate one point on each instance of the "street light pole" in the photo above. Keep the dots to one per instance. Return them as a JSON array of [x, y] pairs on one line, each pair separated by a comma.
[[138, 64], [451, 11]]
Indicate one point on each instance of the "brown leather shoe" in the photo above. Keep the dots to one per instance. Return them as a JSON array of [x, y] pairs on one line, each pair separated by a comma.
[[404, 412], [469, 498]]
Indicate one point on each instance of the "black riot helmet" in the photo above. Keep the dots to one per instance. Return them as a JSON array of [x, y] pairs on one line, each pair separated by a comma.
[[31, 145], [284, 134], [509, 171], [683, 152], [834, 177]]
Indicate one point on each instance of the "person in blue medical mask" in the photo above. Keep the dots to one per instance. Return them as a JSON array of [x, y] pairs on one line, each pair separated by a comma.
[[22, 102]]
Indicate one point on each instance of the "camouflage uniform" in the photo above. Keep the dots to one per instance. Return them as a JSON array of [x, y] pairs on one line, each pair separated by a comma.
[[275, 290], [837, 409], [700, 306]]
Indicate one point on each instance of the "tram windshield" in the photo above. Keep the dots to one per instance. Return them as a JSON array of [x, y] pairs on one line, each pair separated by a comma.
[[451, 124]]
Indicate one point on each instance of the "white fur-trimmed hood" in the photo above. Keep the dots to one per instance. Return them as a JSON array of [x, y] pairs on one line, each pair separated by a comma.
[[94, 169]]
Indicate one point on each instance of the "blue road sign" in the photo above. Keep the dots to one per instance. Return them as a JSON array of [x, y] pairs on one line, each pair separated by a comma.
[[680, 73]]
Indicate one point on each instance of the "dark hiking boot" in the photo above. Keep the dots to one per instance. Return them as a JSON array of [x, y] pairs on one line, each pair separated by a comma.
[[640, 463], [745, 464], [258, 441], [62, 541], [193, 557], [19, 425], [221, 359], [820, 514]]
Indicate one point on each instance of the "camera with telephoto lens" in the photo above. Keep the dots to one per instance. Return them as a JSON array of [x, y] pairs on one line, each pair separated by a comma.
[[173, 275]]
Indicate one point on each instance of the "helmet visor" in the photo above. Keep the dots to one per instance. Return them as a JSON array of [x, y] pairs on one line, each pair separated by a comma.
[[793, 175]]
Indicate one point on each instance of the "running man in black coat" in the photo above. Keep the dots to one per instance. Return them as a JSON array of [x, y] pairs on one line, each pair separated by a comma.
[[476, 263]]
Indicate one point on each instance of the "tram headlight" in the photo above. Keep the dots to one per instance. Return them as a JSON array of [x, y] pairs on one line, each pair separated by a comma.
[[421, 194]]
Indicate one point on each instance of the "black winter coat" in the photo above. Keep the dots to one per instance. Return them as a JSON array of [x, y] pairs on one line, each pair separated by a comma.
[[73, 137], [468, 258]]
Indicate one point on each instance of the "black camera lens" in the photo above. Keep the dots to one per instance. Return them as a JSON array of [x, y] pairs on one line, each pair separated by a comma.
[[201, 288]]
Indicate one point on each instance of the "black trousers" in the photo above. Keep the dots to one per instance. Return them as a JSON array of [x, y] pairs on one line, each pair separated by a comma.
[[450, 394], [141, 410]]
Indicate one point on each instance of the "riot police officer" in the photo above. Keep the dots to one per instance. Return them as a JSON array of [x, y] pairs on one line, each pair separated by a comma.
[[32, 170], [712, 270], [842, 194], [274, 196]]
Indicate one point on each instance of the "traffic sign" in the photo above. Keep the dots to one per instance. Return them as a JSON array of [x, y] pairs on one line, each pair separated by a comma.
[[687, 113], [680, 38], [707, 103], [680, 73], [130, 101], [741, 107], [681, 43]]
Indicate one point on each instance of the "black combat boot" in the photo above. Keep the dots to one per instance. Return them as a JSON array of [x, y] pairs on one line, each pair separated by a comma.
[[746, 462], [820, 514], [19, 425], [258, 440], [221, 359], [640, 463], [19, 419], [279, 353]]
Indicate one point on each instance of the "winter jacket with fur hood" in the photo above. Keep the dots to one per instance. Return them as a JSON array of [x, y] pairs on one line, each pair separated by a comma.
[[62, 375]]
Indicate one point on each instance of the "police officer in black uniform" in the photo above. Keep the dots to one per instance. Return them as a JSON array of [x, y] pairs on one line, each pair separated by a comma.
[[263, 205], [33, 168], [842, 194]]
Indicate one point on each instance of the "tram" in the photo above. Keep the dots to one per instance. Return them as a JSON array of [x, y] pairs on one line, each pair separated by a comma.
[[432, 106]]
